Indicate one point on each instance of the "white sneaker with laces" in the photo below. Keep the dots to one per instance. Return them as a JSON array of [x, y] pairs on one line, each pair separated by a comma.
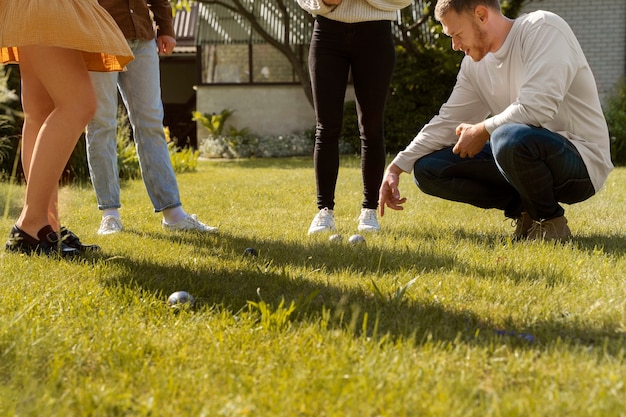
[[190, 222], [323, 221], [110, 225], [368, 221]]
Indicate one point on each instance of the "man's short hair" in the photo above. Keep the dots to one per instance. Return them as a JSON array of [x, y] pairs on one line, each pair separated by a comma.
[[461, 6]]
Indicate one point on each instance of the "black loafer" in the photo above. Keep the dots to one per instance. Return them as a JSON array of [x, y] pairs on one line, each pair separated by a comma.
[[71, 240], [49, 243]]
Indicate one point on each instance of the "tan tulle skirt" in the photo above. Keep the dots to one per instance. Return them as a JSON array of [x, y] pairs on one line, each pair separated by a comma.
[[74, 24]]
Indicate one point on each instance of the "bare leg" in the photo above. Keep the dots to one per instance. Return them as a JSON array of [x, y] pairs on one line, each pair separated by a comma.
[[37, 107], [58, 101]]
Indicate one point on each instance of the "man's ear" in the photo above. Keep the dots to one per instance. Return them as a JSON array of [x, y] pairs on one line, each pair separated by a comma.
[[481, 13]]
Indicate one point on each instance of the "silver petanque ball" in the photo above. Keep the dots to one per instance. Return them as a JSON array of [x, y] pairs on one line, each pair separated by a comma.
[[335, 238], [356, 240], [250, 252], [180, 299]]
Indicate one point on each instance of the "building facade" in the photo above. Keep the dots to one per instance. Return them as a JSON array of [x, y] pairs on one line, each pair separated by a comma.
[[600, 26]]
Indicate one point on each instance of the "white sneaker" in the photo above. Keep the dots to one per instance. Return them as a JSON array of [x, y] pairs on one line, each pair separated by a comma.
[[110, 225], [323, 221], [190, 222], [368, 221]]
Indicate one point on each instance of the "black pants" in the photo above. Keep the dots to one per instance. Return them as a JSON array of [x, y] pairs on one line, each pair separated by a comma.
[[367, 50]]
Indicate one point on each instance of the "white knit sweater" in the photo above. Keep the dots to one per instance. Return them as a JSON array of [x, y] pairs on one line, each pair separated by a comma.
[[353, 11]]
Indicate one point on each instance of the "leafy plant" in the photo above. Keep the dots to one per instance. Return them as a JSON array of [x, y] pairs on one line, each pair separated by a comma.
[[246, 146], [183, 160], [214, 123], [10, 122], [5, 142]]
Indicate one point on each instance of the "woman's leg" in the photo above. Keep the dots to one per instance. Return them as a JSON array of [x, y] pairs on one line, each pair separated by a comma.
[[37, 106], [373, 61], [329, 67], [58, 99]]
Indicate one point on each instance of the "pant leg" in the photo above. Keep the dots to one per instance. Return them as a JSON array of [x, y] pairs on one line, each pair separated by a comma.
[[372, 62], [476, 181], [329, 67], [140, 89], [101, 141], [543, 166]]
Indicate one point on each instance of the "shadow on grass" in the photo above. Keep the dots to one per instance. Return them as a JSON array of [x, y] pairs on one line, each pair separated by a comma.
[[240, 279], [615, 244]]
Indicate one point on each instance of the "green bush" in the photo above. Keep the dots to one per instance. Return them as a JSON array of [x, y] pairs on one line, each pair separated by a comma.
[[615, 113], [421, 84], [350, 127], [76, 169], [10, 121], [5, 142], [215, 123], [183, 160], [252, 146]]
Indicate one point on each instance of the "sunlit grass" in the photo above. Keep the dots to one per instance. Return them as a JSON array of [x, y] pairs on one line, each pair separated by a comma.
[[440, 314]]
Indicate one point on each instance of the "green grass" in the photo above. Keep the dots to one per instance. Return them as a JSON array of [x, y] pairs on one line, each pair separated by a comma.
[[440, 314]]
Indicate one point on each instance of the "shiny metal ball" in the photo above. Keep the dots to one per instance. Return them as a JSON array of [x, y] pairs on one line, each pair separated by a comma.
[[180, 299]]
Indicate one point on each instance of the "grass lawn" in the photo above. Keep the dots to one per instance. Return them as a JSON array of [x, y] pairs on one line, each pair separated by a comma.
[[440, 314]]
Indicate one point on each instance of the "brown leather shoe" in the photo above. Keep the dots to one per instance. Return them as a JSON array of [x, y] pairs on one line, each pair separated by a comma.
[[523, 224], [553, 229]]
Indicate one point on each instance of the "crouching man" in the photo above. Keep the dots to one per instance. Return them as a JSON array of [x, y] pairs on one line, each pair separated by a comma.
[[523, 129]]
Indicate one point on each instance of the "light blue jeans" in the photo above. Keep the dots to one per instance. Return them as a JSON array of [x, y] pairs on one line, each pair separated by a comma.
[[140, 89]]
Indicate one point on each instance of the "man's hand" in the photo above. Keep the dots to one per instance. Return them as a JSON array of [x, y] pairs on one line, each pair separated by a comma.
[[165, 44], [472, 139], [389, 193]]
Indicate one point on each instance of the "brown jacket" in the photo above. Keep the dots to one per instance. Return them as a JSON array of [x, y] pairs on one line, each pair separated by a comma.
[[133, 17]]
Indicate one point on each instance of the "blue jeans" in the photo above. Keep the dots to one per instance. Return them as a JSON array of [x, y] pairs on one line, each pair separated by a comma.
[[140, 89], [366, 49], [522, 168]]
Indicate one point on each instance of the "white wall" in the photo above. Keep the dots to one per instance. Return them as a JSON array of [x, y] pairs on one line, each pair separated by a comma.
[[264, 109], [600, 26]]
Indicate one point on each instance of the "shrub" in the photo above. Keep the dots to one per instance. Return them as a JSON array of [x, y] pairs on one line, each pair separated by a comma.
[[421, 84], [247, 146], [77, 169], [5, 142], [615, 113], [214, 123], [183, 160], [10, 121], [241, 143], [350, 126]]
